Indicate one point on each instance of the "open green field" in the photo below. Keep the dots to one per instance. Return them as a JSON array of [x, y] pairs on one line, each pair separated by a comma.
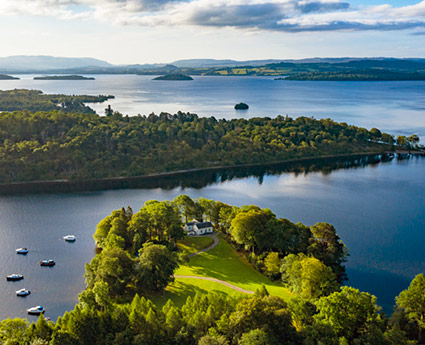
[[192, 245], [183, 288], [222, 262]]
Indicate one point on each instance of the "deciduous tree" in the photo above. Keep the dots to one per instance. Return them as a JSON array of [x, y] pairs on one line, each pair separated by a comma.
[[412, 301], [155, 268], [307, 276], [349, 312]]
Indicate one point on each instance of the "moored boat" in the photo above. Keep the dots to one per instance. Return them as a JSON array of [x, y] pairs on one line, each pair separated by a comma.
[[36, 310], [14, 277], [69, 238], [47, 263], [23, 251], [23, 293]]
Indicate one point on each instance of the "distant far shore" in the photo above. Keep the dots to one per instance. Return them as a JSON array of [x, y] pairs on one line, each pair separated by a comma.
[[338, 69], [63, 77]]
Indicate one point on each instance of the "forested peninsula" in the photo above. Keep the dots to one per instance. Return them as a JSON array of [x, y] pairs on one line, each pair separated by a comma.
[[35, 100], [63, 77], [7, 77], [57, 145], [139, 292]]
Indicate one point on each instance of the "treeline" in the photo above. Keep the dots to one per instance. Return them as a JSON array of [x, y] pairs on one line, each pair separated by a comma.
[[409, 143], [58, 145], [138, 259], [345, 317], [35, 100], [357, 75]]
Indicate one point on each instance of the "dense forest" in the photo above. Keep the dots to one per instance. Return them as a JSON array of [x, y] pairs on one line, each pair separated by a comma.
[[35, 100], [357, 75], [58, 145], [138, 257]]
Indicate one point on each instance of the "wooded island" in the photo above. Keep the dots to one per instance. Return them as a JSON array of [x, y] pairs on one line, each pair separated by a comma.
[[174, 76]]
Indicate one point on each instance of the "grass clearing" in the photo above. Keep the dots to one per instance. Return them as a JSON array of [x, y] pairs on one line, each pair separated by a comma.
[[224, 263], [182, 288], [191, 245]]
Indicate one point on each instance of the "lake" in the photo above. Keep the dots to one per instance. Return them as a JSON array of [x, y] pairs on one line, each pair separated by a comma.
[[378, 209], [396, 107]]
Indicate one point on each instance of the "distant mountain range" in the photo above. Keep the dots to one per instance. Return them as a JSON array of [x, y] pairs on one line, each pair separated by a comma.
[[64, 65], [41, 62], [202, 63]]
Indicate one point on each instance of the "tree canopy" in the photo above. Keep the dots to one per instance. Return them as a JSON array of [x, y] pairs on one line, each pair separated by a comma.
[[61, 145], [308, 277], [412, 301]]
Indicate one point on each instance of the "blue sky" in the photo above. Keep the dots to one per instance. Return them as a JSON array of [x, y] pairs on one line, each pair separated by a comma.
[[145, 31]]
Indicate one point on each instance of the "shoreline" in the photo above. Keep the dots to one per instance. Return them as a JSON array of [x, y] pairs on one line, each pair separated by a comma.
[[130, 182]]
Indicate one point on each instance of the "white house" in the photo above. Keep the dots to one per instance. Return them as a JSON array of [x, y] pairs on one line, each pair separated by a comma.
[[198, 228], [189, 227]]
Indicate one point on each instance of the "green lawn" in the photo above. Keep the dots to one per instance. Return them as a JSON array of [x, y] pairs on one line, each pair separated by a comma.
[[223, 262], [182, 288], [192, 245]]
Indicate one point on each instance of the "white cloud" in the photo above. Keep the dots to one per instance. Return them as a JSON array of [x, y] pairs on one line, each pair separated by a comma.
[[274, 15]]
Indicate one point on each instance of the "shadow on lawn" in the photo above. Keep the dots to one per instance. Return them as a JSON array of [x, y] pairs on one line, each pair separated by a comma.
[[181, 291], [209, 266]]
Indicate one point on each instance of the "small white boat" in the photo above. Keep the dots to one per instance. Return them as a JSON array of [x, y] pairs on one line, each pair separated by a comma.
[[69, 238], [36, 310], [50, 263], [14, 277], [23, 293], [23, 251]]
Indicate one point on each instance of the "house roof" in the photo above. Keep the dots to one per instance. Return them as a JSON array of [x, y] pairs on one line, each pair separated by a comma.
[[204, 225], [193, 222]]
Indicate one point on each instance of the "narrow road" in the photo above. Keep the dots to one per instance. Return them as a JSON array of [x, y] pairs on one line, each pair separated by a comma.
[[222, 282], [215, 238], [217, 281]]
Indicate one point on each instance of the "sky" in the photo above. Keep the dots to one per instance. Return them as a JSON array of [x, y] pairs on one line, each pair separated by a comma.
[[148, 31]]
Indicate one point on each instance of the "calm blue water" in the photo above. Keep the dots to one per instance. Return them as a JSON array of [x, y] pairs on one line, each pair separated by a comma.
[[397, 107], [378, 210]]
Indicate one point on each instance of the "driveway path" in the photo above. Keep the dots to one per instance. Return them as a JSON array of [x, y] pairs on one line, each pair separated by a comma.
[[217, 281], [216, 240]]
